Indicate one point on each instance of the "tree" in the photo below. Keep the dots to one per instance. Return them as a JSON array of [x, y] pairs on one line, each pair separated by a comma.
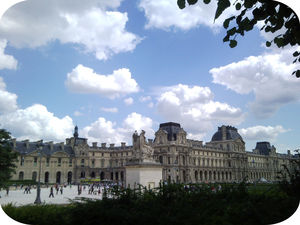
[[7, 157], [277, 17]]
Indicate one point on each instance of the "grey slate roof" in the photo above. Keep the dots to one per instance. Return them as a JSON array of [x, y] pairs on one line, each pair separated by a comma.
[[32, 146], [231, 134], [172, 129]]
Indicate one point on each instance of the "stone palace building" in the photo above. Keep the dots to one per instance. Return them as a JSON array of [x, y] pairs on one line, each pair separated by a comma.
[[223, 159]]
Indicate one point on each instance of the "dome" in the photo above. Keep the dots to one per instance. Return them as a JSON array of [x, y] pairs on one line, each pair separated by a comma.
[[230, 133]]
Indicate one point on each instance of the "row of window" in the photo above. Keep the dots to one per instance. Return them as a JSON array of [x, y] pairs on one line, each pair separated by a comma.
[[35, 161]]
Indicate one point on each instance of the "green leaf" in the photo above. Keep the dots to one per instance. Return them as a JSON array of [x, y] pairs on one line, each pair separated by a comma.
[[231, 32], [249, 3], [238, 6], [226, 22], [295, 54], [232, 43], [181, 4], [222, 5], [268, 44], [192, 2], [226, 38], [206, 1]]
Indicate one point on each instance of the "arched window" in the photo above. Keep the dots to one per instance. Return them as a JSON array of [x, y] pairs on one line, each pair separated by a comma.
[[102, 175], [82, 174], [93, 175], [196, 175], [69, 177], [46, 180], [21, 175], [34, 175], [58, 177]]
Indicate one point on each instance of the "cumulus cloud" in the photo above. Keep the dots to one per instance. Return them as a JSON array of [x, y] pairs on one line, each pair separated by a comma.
[[84, 80], [165, 14], [8, 101], [195, 108], [262, 132], [103, 130], [6, 61], [94, 25], [268, 76], [111, 110], [36, 122], [128, 101]]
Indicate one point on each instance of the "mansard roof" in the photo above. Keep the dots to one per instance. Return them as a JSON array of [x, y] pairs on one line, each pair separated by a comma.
[[22, 148], [231, 134]]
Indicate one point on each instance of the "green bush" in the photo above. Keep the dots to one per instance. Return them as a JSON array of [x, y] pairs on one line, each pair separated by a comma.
[[170, 204]]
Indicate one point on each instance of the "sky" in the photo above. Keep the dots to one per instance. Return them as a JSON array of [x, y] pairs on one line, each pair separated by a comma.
[[113, 67]]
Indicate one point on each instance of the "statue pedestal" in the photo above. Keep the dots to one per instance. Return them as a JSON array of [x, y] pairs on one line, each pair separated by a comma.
[[144, 172]]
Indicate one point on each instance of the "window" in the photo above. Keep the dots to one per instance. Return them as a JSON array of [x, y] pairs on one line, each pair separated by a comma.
[[93, 153], [59, 162], [93, 163], [169, 160], [22, 161], [47, 161], [160, 159], [82, 162], [35, 161], [70, 162]]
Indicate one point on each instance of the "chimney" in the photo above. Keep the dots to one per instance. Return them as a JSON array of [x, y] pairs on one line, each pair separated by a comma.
[[50, 144], [289, 152], [112, 145], [62, 145], [223, 130], [94, 144], [123, 144], [103, 145], [150, 141], [26, 143]]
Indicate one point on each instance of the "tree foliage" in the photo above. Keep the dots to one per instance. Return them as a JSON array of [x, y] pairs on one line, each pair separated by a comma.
[[276, 17], [7, 157]]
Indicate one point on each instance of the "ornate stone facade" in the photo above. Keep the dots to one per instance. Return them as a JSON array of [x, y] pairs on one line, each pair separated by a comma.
[[223, 159]]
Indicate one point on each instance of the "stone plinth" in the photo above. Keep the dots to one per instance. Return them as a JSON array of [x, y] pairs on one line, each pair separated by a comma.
[[146, 173]]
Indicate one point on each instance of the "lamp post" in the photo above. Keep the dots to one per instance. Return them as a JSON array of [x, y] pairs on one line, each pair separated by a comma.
[[38, 193]]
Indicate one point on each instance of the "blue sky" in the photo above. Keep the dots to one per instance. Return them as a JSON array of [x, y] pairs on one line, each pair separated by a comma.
[[113, 67]]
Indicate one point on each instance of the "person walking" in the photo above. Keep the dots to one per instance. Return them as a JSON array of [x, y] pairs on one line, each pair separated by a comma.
[[7, 190], [51, 192], [61, 190]]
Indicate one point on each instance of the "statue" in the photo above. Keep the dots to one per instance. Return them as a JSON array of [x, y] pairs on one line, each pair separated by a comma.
[[141, 149]]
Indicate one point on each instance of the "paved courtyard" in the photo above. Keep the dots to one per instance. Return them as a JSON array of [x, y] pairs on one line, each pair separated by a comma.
[[18, 197]]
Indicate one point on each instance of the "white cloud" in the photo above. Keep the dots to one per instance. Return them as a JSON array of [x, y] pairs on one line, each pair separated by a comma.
[[128, 101], [95, 25], [268, 76], [8, 101], [78, 113], [36, 122], [6, 61], [111, 110], [195, 109], [262, 132], [145, 98], [84, 80], [136, 121], [103, 130], [165, 14], [150, 105]]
